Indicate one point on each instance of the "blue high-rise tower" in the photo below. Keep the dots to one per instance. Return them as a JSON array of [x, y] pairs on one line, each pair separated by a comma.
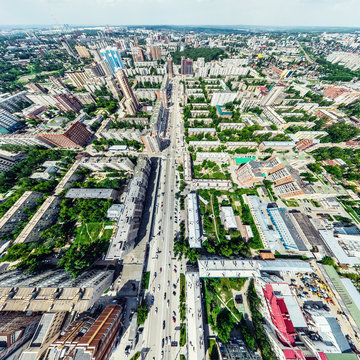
[[111, 55]]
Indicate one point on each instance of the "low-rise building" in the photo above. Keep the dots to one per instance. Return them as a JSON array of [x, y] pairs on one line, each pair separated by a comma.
[[101, 163], [231, 126], [88, 193], [228, 218], [218, 184]]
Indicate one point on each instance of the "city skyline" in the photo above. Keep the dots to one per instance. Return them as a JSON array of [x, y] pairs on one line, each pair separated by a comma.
[[323, 13]]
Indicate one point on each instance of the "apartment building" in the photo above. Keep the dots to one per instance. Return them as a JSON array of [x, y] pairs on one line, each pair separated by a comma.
[[74, 135], [274, 117], [52, 290], [100, 163], [43, 218], [24, 139], [193, 220], [129, 221], [82, 51], [17, 212], [221, 98], [212, 184], [16, 328], [46, 332], [87, 339]]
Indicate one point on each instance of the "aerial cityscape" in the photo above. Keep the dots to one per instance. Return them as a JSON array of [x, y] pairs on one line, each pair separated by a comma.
[[181, 192]]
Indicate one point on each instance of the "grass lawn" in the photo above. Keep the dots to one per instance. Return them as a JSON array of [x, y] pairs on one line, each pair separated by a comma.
[[213, 352], [222, 288], [89, 232]]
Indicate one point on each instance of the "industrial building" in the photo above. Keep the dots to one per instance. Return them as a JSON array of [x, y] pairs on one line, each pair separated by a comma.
[[248, 268]]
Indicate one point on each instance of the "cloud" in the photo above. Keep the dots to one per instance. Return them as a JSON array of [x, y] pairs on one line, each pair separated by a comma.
[[182, 12]]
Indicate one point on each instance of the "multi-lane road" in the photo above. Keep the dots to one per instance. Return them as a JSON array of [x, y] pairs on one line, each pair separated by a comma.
[[162, 327], [163, 324]]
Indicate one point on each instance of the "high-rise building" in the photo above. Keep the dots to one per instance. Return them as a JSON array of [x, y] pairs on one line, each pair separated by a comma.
[[82, 51], [170, 67], [75, 135], [155, 52], [57, 82], [111, 56], [78, 78], [89, 343], [36, 88], [131, 101], [138, 55], [94, 70], [186, 66], [152, 143], [8, 122], [67, 47], [66, 103], [113, 87]]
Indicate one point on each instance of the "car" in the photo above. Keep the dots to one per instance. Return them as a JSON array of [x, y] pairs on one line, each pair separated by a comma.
[[175, 271], [152, 300], [165, 296], [155, 274], [174, 319], [164, 324], [162, 342], [166, 339], [168, 302], [174, 293], [159, 287], [156, 310], [174, 313], [174, 286], [161, 269]]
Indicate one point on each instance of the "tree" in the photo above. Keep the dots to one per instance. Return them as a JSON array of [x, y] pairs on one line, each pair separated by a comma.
[[142, 312], [224, 325]]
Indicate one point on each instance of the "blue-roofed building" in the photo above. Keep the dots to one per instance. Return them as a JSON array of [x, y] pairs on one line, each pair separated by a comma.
[[111, 56], [221, 111]]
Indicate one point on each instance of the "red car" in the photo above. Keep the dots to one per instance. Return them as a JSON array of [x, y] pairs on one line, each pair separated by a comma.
[[174, 320]]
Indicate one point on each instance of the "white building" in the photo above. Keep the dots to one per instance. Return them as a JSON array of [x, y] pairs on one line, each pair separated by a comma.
[[193, 220]]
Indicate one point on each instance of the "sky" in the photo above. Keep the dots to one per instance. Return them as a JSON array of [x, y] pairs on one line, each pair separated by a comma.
[[181, 12]]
